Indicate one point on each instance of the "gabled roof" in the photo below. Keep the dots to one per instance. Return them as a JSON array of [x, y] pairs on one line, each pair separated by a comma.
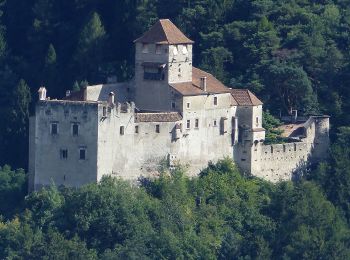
[[214, 86], [244, 97], [164, 32]]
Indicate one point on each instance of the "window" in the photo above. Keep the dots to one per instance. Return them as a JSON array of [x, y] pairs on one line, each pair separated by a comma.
[[188, 105], [136, 129], [54, 128], [175, 50], [75, 129], [82, 153], [157, 129], [196, 123], [104, 111], [121, 130], [144, 48], [257, 121], [215, 123], [152, 73], [173, 105], [184, 49], [158, 49], [215, 101], [64, 154], [188, 124]]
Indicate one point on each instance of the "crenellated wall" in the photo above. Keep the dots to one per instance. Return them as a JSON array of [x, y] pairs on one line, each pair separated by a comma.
[[279, 162]]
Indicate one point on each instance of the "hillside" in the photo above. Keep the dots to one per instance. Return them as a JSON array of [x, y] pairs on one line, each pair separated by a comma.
[[294, 55]]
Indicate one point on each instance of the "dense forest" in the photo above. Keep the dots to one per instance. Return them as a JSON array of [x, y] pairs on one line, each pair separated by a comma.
[[292, 54]]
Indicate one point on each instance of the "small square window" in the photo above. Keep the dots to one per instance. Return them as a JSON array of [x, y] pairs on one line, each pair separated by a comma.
[[215, 101], [188, 124], [64, 154], [196, 124], [54, 128], [121, 130], [136, 129], [82, 153], [157, 128], [75, 129]]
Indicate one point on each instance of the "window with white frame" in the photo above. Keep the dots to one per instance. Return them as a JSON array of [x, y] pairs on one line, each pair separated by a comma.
[[188, 124], [188, 105]]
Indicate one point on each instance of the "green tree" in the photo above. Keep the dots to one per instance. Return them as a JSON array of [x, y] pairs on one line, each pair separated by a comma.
[[292, 87], [90, 48], [13, 188], [309, 226]]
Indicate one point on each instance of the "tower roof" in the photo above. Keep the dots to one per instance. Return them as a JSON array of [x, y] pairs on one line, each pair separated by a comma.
[[164, 32]]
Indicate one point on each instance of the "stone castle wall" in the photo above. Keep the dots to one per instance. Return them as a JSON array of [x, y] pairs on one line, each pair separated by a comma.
[[280, 161]]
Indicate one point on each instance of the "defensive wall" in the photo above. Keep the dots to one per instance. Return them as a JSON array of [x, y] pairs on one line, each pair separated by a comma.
[[279, 162]]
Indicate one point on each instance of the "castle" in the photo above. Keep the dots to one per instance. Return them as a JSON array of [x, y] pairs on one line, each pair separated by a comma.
[[171, 112]]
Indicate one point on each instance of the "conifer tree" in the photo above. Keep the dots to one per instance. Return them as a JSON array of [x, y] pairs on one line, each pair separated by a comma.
[[90, 48]]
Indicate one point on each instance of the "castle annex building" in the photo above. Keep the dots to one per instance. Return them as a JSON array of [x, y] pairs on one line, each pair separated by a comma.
[[170, 112]]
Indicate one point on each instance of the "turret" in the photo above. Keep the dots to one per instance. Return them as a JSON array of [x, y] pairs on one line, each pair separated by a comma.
[[163, 55]]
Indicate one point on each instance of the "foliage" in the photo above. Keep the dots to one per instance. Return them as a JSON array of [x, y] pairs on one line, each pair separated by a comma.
[[219, 215], [273, 135], [13, 188]]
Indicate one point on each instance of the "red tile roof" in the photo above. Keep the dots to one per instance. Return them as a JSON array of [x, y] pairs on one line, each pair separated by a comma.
[[158, 117], [214, 86], [164, 32], [244, 97]]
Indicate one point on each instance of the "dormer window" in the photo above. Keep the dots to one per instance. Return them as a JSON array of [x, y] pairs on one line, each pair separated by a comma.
[[145, 48], [158, 49], [184, 50]]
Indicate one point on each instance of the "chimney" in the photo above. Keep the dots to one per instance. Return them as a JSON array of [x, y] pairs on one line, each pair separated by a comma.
[[67, 93], [111, 98], [203, 85], [42, 93]]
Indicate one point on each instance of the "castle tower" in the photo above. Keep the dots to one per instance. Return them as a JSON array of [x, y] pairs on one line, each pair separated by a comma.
[[163, 55]]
